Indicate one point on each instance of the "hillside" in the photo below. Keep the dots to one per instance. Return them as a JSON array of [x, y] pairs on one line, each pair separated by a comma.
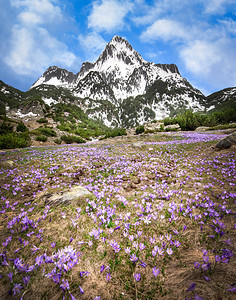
[[133, 218]]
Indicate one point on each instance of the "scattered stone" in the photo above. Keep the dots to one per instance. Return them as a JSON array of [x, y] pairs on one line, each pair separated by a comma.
[[7, 163], [155, 159], [172, 127], [138, 144], [202, 129], [227, 142], [65, 197]]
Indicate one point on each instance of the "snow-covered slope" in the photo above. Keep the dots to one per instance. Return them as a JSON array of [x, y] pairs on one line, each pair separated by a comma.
[[120, 73]]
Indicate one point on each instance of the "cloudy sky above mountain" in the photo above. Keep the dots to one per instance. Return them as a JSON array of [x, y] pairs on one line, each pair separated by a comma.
[[198, 36]]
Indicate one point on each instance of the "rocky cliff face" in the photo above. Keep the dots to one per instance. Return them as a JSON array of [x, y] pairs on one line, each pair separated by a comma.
[[123, 78]]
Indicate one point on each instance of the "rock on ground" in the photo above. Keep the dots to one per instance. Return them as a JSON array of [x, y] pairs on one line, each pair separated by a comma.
[[227, 142], [65, 197]]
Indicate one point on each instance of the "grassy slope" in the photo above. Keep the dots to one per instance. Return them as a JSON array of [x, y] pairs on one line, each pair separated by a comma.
[[170, 189]]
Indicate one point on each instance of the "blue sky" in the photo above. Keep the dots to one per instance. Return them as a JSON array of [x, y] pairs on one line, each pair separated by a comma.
[[199, 36]]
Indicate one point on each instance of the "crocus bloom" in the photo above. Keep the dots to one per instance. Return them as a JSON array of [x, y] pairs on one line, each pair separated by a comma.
[[155, 271], [102, 268], [26, 279], [127, 250], [108, 276], [191, 287], [72, 297], [169, 251], [206, 278], [196, 297], [65, 285], [137, 276], [133, 258], [81, 290], [16, 288]]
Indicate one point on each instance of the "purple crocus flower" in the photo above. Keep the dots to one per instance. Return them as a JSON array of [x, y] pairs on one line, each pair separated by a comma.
[[102, 268], [191, 287], [133, 258], [207, 278], [72, 297], [137, 276], [65, 285], [143, 264], [26, 279], [217, 258], [10, 276], [155, 271], [108, 276], [232, 288], [81, 290], [196, 297], [16, 288]]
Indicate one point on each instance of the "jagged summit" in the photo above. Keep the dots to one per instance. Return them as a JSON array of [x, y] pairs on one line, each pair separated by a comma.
[[56, 76], [117, 65], [120, 76]]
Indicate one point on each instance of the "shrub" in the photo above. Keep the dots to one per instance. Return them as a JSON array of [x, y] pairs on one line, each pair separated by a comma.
[[69, 139], [115, 132], [41, 138], [140, 129], [6, 128], [21, 127], [42, 120], [57, 141], [13, 140], [44, 131]]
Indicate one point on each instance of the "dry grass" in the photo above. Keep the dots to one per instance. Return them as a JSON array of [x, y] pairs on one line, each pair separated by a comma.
[[138, 179]]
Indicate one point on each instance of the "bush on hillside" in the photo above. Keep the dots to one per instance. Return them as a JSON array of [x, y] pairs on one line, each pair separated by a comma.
[[41, 138], [189, 120], [6, 128], [58, 141], [69, 139], [44, 131], [140, 129], [13, 140], [42, 120], [115, 132], [21, 127]]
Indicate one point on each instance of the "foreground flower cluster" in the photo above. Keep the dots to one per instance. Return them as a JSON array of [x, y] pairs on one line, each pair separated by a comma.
[[158, 223]]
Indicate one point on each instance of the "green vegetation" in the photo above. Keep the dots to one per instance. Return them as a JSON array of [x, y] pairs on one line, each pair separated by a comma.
[[69, 139], [140, 129], [41, 138], [58, 141], [10, 139], [6, 128], [190, 121], [115, 132], [13, 140], [48, 131], [42, 120], [21, 127]]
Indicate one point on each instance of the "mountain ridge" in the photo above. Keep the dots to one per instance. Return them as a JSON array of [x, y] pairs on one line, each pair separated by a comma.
[[120, 88]]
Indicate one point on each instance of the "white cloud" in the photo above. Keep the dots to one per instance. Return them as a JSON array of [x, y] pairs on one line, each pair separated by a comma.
[[92, 44], [32, 48], [214, 61], [108, 15], [33, 51], [216, 6], [37, 11], [165, 29]]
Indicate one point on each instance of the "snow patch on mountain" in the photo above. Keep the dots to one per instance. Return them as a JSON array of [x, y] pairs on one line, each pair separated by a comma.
[[50, 101]]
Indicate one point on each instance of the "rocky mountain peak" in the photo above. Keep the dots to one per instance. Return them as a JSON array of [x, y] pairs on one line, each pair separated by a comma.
[[118, 50]]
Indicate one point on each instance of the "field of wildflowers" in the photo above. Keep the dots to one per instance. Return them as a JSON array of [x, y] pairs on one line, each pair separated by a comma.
[[159, 223]]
